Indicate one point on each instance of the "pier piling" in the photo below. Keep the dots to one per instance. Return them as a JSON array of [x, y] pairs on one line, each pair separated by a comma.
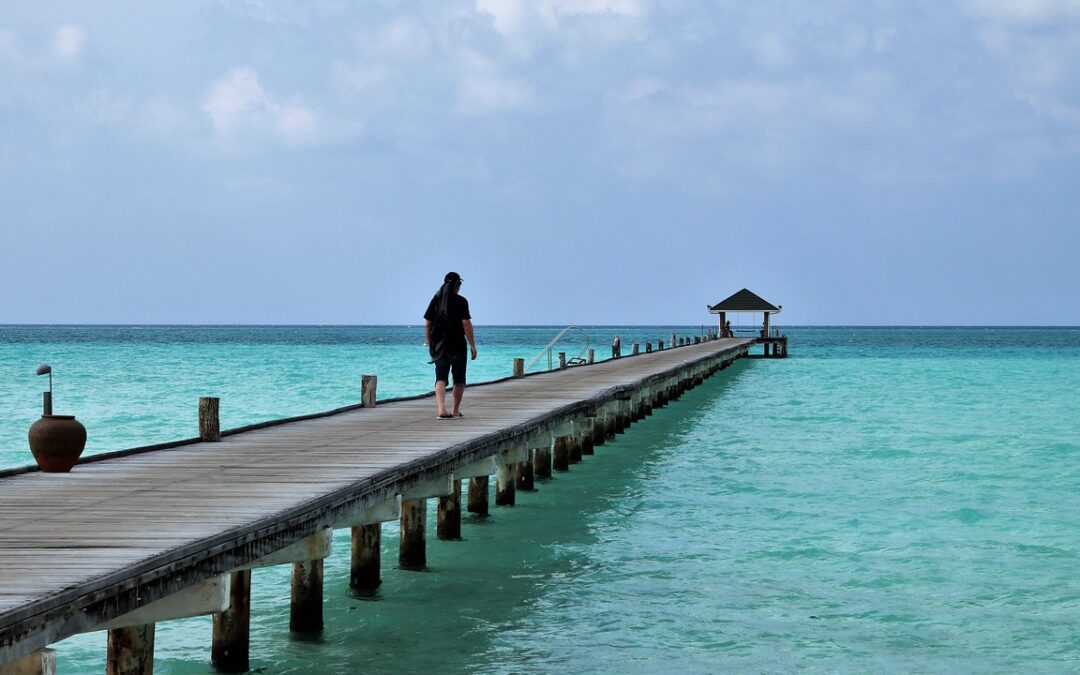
[[231, 645], [306, 607], [449, 516], [519, 367], [365, 566], [131, 651], [478, 496], [505, 484], [560, 454], [413, 552], [41, 662], [542, 461], [525, 478]]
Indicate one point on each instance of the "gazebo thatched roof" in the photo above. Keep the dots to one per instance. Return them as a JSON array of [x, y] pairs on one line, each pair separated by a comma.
[[744, 301]]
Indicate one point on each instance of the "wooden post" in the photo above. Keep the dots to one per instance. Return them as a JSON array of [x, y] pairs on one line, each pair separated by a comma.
[[635, 349], [592, 356], [560, 454], [659, 345], [542, 462], [232, 628], [364, 573], [368, 384], [562, 360], [41, 662], [449, 517], [306, 607], [478, 495], [598, 436], [519, 367], [648, 347], [573, 448], [616, 347], [525, 479], [413, 554], [131, 651], [585, 436], [505, 484], [209, 424], [673, 342]]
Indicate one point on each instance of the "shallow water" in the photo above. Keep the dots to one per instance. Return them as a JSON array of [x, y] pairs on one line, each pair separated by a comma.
[[890, 499]]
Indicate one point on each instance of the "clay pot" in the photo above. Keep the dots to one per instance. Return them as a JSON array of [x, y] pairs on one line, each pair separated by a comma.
[[57, 441]]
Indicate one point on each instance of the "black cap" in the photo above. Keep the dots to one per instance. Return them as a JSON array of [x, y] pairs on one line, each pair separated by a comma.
[[452, 276]]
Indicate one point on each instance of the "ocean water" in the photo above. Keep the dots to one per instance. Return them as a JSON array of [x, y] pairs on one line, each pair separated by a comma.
[[893, 500]]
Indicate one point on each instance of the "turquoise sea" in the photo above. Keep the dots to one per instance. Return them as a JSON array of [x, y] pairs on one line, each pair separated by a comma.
[[887, 499]]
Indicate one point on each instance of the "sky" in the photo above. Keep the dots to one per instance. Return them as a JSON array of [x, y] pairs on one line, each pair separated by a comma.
[[576, 161]]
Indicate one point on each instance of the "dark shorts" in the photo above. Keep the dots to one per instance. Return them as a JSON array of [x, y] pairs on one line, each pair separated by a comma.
[[451, 362]]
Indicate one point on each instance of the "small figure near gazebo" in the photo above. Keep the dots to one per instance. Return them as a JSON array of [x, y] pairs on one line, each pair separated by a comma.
[[748, 301]]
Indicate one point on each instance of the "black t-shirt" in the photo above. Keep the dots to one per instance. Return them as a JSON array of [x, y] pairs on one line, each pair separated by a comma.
[[452, 330]]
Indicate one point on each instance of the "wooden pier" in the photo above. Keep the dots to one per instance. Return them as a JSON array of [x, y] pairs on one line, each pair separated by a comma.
[[128, 540]]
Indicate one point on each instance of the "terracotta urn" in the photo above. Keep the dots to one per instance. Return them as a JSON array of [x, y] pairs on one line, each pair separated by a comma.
[[57, 441]]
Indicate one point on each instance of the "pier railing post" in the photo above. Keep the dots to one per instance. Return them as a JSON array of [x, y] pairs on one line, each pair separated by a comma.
[[562, 360], [413, 552], [478, 496], [368, 384], [592, 356], [635, 349], [449, 516], [519, 367], [231, 645], [130, 651], [209, 423]]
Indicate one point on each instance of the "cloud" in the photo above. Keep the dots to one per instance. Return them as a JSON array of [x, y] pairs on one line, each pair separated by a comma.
[[524, 24], [69, 41], [1026, 12], [485, 94], [238, 105]]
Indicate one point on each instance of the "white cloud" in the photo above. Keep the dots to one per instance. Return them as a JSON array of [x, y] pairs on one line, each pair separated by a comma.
[[483, 95], [1026, 12], [238, 105], [69, 41], [511, 16], [524, 23]]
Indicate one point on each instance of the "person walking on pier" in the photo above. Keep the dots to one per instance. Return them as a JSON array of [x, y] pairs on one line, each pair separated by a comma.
[[447, 328]]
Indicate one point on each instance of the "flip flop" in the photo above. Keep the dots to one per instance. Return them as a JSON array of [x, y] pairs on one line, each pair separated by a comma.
[[445, 417], [459, 415]]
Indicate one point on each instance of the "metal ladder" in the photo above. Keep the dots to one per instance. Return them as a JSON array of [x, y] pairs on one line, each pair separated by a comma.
[[575, 361]]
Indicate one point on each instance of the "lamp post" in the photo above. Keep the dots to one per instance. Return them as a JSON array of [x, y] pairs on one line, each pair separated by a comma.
[[56, 441], [46, 369]]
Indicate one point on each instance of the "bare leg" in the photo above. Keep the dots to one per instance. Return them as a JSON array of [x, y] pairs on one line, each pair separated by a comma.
[[459, 391], [440, 397]]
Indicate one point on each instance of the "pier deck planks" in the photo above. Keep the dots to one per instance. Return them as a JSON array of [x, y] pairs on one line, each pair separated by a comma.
[[70, 540]]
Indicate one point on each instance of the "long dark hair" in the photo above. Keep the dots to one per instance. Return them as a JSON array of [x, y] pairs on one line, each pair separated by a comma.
[[449, 288]]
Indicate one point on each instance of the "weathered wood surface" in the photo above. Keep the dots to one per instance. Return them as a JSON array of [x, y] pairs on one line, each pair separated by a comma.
[[79, 548]]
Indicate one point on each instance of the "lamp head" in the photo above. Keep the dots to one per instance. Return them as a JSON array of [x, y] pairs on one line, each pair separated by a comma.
[[44, 369]]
